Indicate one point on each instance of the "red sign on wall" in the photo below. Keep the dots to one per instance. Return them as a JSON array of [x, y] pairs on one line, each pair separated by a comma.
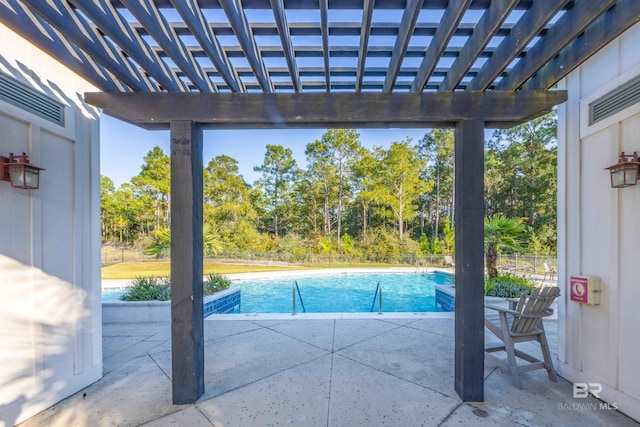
[[579, 289]]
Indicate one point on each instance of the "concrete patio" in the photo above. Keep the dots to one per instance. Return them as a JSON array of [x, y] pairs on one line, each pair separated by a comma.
[[380, 370]]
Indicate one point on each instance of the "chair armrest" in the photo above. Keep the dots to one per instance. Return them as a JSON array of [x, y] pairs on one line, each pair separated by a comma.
[[502, 309]]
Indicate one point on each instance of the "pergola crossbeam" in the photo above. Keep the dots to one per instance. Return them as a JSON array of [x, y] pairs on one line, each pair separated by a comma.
[[242, 30], [605, 29], [486, 28], [60, 16], [365, 31], [198, 26], [287, 45], [149, 16], [327, 110], [521, 34], [23, 21], [116, 27], [449, 23], [405, 31], [569, 26], [324, 25]]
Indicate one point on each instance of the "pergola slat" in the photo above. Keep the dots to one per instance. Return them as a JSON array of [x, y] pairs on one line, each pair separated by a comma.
[[369, 110], [198, 26], [486, 28], [449, 23], [242, 30], [365, 31], [23, 21], [152, 19], [409, 19], [324, 25], [605, 29], [115, 26], [521, 34], [570, 25], [335, 28], [60, 16], [287, 46]]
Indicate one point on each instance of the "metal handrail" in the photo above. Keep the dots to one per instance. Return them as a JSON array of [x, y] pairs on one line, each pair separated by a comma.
[[375, 296], [293, 291]]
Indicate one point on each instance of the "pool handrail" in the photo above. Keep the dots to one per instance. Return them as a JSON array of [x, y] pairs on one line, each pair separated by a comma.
[[375, 296], [296, 287]]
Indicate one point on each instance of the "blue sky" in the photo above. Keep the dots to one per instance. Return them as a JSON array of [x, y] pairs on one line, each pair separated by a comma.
[[123, 146]]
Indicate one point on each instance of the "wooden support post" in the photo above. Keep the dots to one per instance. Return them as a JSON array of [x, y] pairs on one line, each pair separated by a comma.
[[187, 322], [469, 221]]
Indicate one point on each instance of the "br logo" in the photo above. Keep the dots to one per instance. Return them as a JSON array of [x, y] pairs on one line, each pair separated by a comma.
[[582, 390]]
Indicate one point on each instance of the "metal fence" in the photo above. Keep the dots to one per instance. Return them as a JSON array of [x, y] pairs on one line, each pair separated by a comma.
[[522, 264]]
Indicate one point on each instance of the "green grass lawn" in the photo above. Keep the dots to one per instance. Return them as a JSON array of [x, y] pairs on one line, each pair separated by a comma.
[[130, 270]]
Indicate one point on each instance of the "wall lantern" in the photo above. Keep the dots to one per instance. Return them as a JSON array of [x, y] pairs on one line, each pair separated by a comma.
[[20, 172], [626, 172]]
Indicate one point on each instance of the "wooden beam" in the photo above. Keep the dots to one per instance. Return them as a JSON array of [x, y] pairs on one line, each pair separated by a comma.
[[23, 21], [287, 45], [567, 28], [198, 26], [487, 26], [469, 222], [187, 321], [324, 26], [60, 16], [529, 26], [448, 25], [242, 30], [321, 110], [604, 30], [114, 25], [149, 16], [365, 31], [405, 31]]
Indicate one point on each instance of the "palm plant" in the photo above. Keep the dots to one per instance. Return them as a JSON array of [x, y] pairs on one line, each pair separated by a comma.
[[161, 245], [500, 233]]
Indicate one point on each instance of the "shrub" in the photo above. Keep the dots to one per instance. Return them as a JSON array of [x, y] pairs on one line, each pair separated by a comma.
[[507, 285], [148, 289], [215, 282]]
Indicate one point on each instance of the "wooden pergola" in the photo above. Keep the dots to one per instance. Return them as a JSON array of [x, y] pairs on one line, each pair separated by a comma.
[[190, 65]]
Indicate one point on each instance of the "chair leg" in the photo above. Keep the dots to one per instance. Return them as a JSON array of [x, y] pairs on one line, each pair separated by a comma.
[[509, 347], [546, 354]]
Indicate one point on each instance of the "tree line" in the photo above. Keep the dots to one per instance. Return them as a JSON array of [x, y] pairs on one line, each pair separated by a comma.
[[348, 199]]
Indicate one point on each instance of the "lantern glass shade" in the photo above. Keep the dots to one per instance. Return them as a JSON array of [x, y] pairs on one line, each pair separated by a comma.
[[624, 175], [24, 176]]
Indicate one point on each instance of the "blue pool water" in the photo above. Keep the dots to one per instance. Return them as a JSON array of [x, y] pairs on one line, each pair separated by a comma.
[[343, 293], [112, 294]]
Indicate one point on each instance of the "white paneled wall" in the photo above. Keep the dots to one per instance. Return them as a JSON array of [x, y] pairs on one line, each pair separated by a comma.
[[50, 311], [599, 229]]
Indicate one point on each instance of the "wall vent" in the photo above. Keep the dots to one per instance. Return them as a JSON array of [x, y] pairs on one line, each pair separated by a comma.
[[615, 101], [22, 96]]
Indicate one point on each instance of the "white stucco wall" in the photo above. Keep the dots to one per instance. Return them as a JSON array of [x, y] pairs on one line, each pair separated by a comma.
[[599, 230], [50, 328]]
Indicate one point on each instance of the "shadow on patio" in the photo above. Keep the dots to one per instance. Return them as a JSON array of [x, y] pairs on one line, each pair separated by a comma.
[[345, 372]]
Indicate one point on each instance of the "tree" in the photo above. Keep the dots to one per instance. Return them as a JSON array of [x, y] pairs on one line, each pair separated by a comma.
[[500, 233], [279, 170], [399, 183], [437, 148], [154, 180], [225, 191], [521, 165]]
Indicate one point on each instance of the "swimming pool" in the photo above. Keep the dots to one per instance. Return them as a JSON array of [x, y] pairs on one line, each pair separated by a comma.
[[342, 293], [112, 294]]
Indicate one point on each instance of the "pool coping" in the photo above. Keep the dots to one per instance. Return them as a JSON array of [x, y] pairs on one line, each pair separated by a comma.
[[332, 316]]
